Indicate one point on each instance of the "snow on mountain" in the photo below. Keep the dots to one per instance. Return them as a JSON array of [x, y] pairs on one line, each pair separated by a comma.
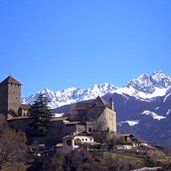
[[161, 80], [147, 87], [130, 123], [168, 95], [149, 84], [144, 88], [97, 90], [168, 112], [131, 91], [72, 95], [153, 115]]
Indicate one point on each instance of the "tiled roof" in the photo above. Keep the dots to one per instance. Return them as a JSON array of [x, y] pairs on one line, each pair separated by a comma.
[[101, 102], [18, 118], [27, 117], [77, 134], [10, 80], [72, 123], [59, 145], [97, 102], [58, 118], [82, 106]]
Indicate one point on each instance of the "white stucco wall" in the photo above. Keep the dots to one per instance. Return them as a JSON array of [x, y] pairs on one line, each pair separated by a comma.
[[83, 139], [86, 139]]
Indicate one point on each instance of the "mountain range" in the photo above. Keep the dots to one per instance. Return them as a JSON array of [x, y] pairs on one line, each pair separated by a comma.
[[143, 105]]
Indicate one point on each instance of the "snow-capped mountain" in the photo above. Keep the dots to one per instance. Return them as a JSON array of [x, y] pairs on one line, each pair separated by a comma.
[[148, 84], [143, 106], [144, 87], [72, 95]]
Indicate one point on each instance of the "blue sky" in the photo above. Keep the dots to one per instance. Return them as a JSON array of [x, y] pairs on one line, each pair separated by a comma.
[[59, 44]]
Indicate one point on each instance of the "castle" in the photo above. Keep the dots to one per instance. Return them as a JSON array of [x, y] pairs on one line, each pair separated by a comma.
[[98, 115], [10, 98], [95, 115]]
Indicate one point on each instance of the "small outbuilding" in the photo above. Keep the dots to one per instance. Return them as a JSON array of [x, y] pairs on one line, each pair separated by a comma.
[[71, 142]]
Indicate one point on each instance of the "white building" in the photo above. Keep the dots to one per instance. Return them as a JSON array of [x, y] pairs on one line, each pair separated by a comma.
[[71, 142]]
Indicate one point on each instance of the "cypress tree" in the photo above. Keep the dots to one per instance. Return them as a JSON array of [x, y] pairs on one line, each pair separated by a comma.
[[40, 112]]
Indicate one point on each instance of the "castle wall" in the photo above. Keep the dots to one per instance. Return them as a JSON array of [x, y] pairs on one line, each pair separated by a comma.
[[69, 129], [20, 124], [106, 121], [110, 116], [79, 115], [10, 97], [14, 97], [94, 112], [3, 99], [57, 130], [54, 136], [100, 123]]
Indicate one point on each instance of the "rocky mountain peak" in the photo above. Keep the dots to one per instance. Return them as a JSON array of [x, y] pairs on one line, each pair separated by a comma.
[[148, 83], [160, 79], [145, 86]]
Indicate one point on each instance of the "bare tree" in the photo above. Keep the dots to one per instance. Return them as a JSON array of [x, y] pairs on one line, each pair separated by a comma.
[[12, 145]]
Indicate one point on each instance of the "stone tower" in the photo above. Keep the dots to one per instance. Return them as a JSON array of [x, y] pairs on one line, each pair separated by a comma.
[[10, 95]]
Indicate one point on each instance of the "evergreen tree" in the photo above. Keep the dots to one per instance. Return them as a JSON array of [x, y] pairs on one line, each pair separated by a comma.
[[41, 114]]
